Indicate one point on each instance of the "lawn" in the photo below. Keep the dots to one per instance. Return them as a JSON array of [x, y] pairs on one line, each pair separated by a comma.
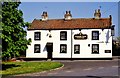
[[13, 68]]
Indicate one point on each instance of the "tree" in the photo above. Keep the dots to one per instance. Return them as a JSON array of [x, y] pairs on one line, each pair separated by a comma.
[[13, 35]]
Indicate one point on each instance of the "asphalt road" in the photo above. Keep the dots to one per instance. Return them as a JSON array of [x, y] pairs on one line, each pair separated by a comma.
[[81, 69]]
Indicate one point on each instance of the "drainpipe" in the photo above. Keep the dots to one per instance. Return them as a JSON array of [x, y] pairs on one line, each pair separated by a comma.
[[71, 44]]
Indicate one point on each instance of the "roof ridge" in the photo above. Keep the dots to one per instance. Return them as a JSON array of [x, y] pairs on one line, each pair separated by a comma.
[[72, 19]]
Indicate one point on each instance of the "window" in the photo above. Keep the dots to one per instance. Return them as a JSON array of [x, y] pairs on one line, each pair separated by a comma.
[[76, 49], [95, 35], [63, 35], [95, 48], [37, 35], [63, 48], [37, 48], [107, 51]]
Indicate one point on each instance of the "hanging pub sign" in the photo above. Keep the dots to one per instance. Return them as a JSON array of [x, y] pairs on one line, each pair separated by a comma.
[[80, 36]]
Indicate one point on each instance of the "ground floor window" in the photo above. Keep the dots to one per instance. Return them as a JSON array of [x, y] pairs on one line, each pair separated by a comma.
[[76, 49], [37, 48], [107, 51], [63, 48], [95, 48]]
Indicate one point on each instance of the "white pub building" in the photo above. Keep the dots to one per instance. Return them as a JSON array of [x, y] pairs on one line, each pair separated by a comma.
[[70, 38]]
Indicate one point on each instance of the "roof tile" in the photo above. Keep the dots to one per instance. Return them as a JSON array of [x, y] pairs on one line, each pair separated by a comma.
[[71, 24]]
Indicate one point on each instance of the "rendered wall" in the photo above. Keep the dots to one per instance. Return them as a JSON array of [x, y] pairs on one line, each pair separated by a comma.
[[105, 43]]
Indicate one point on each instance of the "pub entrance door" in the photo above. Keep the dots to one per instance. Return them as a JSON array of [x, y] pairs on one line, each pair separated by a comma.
[[49, 50]]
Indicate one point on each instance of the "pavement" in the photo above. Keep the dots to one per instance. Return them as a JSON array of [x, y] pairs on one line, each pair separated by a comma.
[[80, 69]]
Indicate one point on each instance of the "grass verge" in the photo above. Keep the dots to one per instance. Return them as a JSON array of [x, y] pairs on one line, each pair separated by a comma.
[[13, 68]]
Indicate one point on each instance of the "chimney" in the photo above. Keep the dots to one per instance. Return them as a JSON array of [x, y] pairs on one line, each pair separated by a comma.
[[68, 15], [97, 14], [44, 16], [110, 19]]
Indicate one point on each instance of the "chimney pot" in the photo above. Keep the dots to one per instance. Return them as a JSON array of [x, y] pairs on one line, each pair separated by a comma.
[[44, 16], [97, 14], [68, 15]]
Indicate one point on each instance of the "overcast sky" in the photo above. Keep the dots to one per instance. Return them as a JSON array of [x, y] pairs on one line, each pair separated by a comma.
[[56, 10]]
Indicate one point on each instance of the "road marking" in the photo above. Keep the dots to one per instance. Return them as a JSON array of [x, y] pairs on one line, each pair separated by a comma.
[[68, 71], [117, 75], [115, 66], [88, 69], [100, 67], [52, 73]]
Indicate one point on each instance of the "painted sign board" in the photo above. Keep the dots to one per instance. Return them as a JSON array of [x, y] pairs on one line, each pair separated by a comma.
[[80, 36]]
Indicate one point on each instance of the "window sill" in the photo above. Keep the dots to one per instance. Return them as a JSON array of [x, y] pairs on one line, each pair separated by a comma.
[[36, 52], [76, 53], [37, 40], [95, 53], [63, 53], [95, 39], [63, 39]]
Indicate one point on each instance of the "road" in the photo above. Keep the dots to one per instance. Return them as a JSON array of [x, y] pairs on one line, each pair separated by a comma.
[[86, 68]]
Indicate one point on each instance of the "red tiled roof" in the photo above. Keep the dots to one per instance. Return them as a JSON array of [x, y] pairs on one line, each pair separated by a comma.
[[71, 24]]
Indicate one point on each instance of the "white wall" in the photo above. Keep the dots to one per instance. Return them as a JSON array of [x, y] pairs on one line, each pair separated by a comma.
[[57, 42], [85, 50], [55, 39], [30, 51]]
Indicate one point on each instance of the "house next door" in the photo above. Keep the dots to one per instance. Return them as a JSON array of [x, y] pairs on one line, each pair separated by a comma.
[[49, 50]]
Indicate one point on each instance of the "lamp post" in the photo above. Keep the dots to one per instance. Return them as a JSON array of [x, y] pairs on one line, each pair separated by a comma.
[[112, 30]]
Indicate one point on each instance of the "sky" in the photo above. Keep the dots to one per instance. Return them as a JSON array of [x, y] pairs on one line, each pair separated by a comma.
[[56, 10]]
